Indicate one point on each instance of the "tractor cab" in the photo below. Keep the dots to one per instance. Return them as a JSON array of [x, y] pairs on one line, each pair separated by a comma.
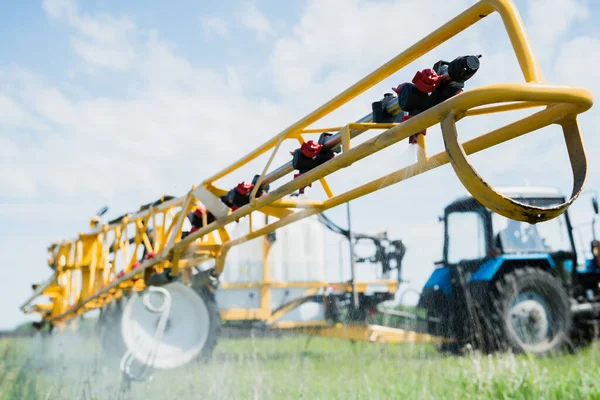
[[480, 241]]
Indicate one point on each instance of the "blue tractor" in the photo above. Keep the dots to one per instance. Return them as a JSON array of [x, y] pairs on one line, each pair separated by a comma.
[[503, 285]]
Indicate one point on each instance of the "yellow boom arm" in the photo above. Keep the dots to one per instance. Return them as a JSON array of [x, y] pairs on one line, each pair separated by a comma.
[[86, 274]]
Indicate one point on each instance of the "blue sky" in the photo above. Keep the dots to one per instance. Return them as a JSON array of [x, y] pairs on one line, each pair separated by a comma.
[[110, 102]]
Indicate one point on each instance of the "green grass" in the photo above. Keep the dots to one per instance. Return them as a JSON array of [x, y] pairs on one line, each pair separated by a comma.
[[69, 367]]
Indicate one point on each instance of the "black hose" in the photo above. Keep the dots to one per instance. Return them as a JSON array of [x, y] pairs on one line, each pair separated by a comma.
[[395, 249], [332, 226]]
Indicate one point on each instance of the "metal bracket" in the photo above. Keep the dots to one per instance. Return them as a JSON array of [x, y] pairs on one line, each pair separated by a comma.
[[501, 204]]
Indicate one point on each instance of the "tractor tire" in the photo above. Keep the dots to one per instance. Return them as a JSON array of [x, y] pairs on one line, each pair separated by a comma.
[[439, 307], [530, 313]]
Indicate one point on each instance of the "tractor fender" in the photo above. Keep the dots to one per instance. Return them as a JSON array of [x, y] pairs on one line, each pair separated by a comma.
[[490, 269], [440, 281]]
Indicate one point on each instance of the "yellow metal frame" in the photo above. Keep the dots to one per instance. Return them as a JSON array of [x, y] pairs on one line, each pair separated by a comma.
[[85, 259], [270, 317], [370, 333]]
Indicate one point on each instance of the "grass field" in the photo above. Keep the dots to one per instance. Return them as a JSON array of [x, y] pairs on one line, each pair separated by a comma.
[[71, 367]]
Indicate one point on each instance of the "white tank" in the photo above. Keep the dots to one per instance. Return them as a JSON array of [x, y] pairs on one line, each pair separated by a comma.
[[244, 263], [298, 254]]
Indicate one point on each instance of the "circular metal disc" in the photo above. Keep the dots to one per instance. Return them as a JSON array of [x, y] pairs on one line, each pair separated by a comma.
[[185, 334]]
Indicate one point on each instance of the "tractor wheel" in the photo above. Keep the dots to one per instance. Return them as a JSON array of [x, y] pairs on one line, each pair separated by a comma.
[[191, 332], [441, 308], [530, 313]]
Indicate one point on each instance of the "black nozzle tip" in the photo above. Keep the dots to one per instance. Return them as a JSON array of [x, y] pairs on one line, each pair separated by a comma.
[[473, 63]]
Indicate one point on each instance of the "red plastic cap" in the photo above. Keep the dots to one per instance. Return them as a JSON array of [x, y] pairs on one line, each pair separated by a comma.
[[413, 138], [399, 88], [311, 149], [301, 190], [244, 188], [426, 80], [199, 211], [149, 255]]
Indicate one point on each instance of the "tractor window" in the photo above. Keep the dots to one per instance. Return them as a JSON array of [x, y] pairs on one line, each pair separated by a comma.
[[466, 237], [521, 237]]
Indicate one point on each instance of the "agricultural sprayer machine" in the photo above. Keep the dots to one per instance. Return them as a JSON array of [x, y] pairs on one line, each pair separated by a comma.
[[161, 265]]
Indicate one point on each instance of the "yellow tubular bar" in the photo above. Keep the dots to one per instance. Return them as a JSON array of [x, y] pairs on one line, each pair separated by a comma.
[[102, 279], [361, 287], [504, 205], [370, 333]]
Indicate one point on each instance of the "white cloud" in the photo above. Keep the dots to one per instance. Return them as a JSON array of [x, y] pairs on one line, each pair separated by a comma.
[[214, 26], [55, 106], [20, 183], [576, 64], [254, 20], [60, 8], [102, 40], [10, 112], [104, 56], [577, 60], [549, 22], [175, 130], [337, 42]]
